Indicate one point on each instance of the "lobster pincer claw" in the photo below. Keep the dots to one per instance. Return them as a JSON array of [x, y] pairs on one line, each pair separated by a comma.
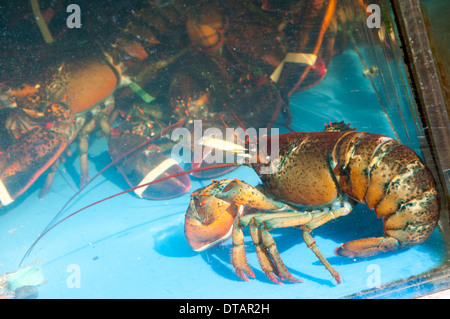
[[147, 165], [209, 220], [26, 159]]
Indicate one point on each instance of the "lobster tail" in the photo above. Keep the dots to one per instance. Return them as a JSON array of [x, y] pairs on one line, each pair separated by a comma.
[[411, 207], [391, 179]]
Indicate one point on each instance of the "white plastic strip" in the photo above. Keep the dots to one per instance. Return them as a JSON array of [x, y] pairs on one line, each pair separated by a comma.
[[5, 198], [154, 173], [302, 58]]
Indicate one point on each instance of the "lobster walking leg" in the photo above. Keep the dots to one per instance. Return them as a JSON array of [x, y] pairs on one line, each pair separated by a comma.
[[268, 256], [267, 252], [238, 256], [320, 219], [279, 215], [83, 151], [311, 243], [49, 179], [100, 117]]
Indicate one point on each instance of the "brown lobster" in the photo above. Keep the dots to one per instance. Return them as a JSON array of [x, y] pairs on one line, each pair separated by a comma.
[[318, 177]]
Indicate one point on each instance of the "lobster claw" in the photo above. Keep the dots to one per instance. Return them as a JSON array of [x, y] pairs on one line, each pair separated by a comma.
[[147, 165], [209, 220], [25, 160]]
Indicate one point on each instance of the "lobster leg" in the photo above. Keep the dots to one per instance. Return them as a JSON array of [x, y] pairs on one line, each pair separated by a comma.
[[102, 118], [268, 255], [238, 256], [279, 215], [271, 248], [49, 179], [267, 264], [316, 218], [83, 146], [340, 208], [267, 252]]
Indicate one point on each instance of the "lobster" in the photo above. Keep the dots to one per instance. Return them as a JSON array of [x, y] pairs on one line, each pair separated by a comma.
[[317, 177]]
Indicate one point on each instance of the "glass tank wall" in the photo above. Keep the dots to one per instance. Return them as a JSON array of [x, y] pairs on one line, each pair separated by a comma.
[[317, 123]]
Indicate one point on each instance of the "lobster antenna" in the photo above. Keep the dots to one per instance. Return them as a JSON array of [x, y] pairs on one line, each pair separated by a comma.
[[27, 253], [228, 128], [163, 131]]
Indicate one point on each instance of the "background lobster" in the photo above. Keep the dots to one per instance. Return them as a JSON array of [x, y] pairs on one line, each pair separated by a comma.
[[151, 53]]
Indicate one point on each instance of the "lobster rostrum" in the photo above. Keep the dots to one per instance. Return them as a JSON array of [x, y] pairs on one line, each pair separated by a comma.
[[318, 177]]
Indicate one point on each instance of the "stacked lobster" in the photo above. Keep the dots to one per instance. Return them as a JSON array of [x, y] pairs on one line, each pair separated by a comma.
[[220, 61]]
